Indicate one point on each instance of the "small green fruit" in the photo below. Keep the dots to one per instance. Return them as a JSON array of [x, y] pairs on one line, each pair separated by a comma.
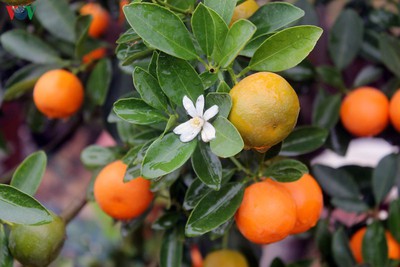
[[18, 2], [37, 246]]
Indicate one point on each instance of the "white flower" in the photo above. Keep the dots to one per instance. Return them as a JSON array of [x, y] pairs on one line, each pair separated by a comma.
[[199, 121]]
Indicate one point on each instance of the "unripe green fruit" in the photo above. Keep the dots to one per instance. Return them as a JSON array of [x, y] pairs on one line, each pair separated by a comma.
[[37, 246], [18, 2]]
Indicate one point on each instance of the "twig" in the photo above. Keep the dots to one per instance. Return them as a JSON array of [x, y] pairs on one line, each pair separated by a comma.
[[72, 210]]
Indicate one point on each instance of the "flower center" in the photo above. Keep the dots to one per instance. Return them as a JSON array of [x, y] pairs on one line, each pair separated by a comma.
[[197, 122]]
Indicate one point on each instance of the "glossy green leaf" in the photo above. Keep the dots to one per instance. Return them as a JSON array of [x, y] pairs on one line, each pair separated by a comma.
[[208, 79], [350, 204], [222, 100], [196, 191], [285, 49], [331, 76], [83, 44], [390, 53], [221, 230], [136, 111], [6, 259], [168, 34], [94, 156], [304, 140], [56, 17], [339, 139], [384, 176], [165, 155], [166, 181], [207, 166], [374, 245], [326, 111], [287, 170], [214, 209], [166, 221], [182, 4], [345, 38], [367, 75], [99, 81], [19, 207], [228, 141], [27, 46], [274, 16], [336, 182], [171, 249], [178, 78], [223, 87], [394, 219], [203, 30], [29, 174], [149, 89], [342, 254], [252, 46], [238, 35], [153, 65], [221, 31], [223, 7]]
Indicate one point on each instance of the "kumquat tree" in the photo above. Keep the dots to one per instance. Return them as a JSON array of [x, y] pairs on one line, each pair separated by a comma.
[[212, 133]]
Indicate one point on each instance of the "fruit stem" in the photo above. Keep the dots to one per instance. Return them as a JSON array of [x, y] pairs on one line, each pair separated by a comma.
[[233, 75], [74, 208], [240, 166]]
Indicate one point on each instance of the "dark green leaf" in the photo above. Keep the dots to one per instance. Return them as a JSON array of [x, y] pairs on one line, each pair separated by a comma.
[[223, 87], [136, 111], [27, 46], [341, 251], [153, 64], [221, 31], [303, 140], [350, 204], [171, 249], [326, 111], [149, 89], [331, 76], [394, 219], [389, 48], [166, 221], [83, 45], [323, 238], [214, 209], [203, 30], [99, 82], [6, 259], [207, 166], [94, 157], [223, 7], [196, 191], [339, 139], [129, 36], [18, 207], [183, 4], [166, 155], [221, 230], [252, 46], [374, 245], [384, 176], [166, 181], [345, 38], [222, 100], [228, 141], [368, 75], [208, 79], [277, 262], [29, 174], [285, 49], [287, 170], [178, 78], [57, 18], [168, 34]]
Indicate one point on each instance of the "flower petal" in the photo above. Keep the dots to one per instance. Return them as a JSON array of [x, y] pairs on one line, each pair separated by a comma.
[[208, 132], [200, 105], [190, 135], [189, 106], [184, 127], [211, 112]]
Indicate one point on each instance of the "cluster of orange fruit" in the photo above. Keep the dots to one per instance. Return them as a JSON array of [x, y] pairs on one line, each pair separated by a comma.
[[366, 111]]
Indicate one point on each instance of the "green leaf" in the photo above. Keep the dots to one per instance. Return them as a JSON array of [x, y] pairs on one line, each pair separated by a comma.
[[203, 30], [285, 49], [336, 182], [196, 191], [57, 18], [221, 31], [168, 34], [394, 219], [166, 181], [223, 87], [341, 251], [18, 207], [389, 48], [221, 230], [239, 34], [374, 245], [326, 111], [183, 4], [83, 44], [222, 100], [350, 204], [29, 174], [171, 249], [153, 64], [339, 139], [287, 170], [367, 75], [228, 141], [277, 262], [214, 209], [252, 46], [99, 82], [165, 155], [323, 238], [27, 46], [94, 157], [331, 76], [384, 176], [274, 16], [178, 78], [223, 7], [207, 166], [310, 16], [136, 111], [208, 79], [304, 140], [6, 259], [166, 221], [149, 89], [345, 38]]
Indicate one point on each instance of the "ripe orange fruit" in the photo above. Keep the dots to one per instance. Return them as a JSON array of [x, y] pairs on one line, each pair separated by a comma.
[[394, 110], [123, 201], [365, 112], [225, 258], [264, 110], [195, 255], [244, 11], [307, 195], [100, 18], [267, 213], [356, 245], [93, 55], [58, 94]]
